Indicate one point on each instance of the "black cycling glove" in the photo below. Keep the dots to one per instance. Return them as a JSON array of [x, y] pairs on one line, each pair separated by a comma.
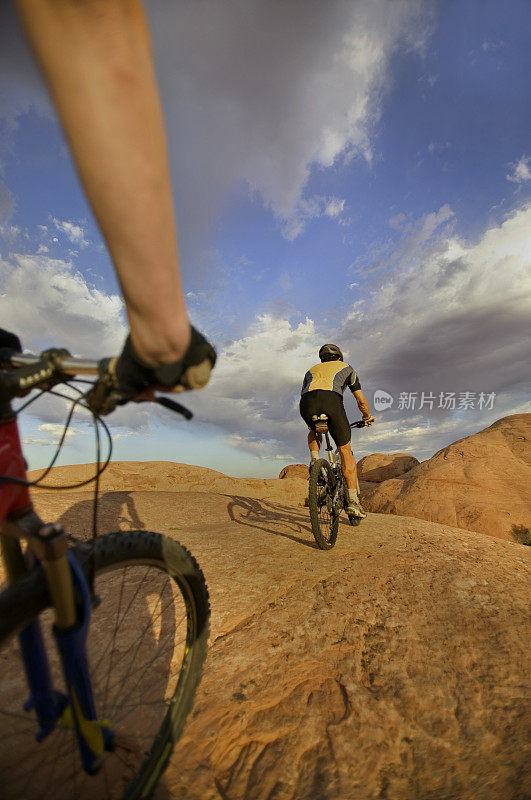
[[133, 376], [126, 377]]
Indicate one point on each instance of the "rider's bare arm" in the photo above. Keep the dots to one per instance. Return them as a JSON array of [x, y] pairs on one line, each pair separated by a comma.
[[97, 60], [363, 406]]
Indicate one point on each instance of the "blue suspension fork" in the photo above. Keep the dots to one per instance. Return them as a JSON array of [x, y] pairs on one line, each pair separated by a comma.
[[48, 703], [65, 579], [94, 736]]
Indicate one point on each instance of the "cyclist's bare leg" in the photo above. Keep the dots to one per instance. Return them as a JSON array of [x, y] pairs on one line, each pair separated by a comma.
[[96, 56], [314, 443], [348, 465]]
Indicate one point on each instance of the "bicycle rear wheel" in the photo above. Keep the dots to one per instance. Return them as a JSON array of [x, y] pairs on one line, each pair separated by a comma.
[[324, 517], [146, 646]]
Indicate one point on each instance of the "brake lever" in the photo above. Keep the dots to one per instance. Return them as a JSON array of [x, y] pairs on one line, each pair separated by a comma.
[[173, 406]]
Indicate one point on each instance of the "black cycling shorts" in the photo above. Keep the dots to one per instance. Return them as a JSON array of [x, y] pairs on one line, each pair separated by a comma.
[[323, 401]]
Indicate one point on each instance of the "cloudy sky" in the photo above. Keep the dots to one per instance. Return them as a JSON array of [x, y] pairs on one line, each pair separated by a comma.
[[355, 171]]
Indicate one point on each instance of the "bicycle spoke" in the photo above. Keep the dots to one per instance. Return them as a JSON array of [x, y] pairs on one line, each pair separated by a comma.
[[116, 625], [139, 637], [104, 653], [143, 668]]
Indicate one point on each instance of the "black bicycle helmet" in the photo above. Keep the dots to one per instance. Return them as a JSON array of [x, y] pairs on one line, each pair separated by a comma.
[[330, 352]]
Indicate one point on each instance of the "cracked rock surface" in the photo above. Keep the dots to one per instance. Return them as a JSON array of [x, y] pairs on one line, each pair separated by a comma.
[[393, 666]]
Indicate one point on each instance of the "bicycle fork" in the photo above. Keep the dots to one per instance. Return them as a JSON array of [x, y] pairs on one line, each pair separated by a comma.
[[70, 597]]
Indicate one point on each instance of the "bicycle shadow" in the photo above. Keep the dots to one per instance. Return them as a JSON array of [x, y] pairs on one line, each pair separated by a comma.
[[264, 514], [116, 511]]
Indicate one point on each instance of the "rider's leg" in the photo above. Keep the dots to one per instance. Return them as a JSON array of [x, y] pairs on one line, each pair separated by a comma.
[[97, 59], [314, 443], [348, 465]]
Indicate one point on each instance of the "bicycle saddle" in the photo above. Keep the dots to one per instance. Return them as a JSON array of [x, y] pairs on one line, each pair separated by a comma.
[[320, 423]]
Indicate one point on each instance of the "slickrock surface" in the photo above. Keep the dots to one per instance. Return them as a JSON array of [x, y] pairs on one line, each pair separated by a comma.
[[172, 477], [379, 467], [481, 483], [393, 666]]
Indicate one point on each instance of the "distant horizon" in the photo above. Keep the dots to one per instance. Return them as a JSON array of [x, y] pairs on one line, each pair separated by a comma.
[[258, 477]]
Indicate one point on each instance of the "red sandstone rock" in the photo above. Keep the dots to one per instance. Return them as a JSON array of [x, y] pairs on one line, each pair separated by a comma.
[[379, 467], [295, 471], [393, 665], [480, 483]]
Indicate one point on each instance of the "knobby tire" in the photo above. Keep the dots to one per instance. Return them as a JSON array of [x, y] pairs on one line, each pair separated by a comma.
[[166, 624], [324, 518]]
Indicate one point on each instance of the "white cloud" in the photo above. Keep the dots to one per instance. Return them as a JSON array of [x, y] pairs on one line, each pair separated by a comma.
[[74, 233], [9, 232], [334, 207], [53, 431], [262, 93], [449, 315], [48, 303], [261, 449], [448, 312], [397, 220], [293, 224], [255, 94], [56, 430], [36, 441], [521, 171], [254, 391], [443, 314]]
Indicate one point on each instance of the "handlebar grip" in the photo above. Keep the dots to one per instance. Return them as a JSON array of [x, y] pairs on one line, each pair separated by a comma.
[[173, 406]]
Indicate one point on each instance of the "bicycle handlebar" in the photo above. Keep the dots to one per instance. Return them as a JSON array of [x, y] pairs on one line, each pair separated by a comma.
[[33, 370], [69, 364], [361, 423]]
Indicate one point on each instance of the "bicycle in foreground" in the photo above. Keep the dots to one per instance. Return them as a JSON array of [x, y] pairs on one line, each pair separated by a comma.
[[101, 644], [326, 493]]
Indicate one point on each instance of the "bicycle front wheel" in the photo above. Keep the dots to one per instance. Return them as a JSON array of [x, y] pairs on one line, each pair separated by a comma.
[[146, 646], [323, 515]]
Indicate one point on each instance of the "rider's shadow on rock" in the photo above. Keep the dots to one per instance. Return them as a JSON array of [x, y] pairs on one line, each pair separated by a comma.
[[263, 514], [116, 511]]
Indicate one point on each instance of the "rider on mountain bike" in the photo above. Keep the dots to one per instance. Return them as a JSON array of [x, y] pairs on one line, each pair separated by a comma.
[[96, 58], [322, 393]]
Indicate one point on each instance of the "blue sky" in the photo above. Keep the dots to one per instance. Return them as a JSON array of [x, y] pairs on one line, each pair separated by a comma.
[[354, 172]]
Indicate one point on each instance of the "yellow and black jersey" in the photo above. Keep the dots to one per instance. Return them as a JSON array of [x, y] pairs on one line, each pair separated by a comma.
[[332, 376]]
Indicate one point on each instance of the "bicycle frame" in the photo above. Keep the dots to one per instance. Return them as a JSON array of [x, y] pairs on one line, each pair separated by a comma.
[[335, 462], [70, 599]]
